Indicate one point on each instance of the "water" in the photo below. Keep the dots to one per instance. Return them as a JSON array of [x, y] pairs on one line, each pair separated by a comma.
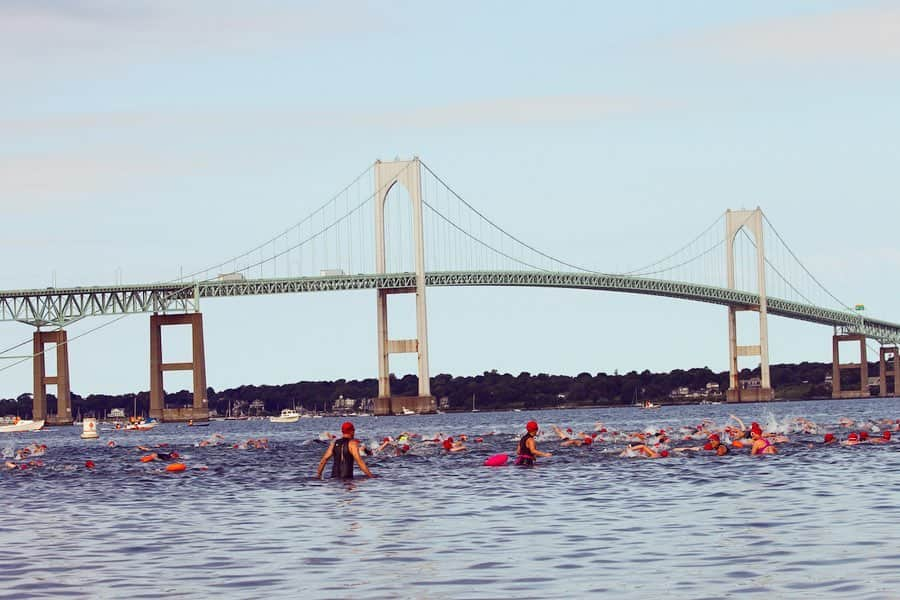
[[810, 521]]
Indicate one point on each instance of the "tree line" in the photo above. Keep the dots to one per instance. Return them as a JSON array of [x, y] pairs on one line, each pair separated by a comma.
[[489, 391]]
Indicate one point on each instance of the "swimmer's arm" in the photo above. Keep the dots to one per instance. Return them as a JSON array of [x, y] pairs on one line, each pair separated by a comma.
[[741, 423], [325, 457], [354, 450], [534, 450]]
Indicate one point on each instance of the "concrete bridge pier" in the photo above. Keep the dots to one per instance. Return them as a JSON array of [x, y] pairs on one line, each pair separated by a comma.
[[200, 409], [61, 379], [837, 366], [888, 353]]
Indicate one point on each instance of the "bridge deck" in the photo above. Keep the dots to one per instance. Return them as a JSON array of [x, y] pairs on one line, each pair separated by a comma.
[[58, 306]]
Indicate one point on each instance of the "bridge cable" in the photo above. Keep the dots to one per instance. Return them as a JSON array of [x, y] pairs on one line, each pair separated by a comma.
[[665, 258], [509, 235], [802, 266]]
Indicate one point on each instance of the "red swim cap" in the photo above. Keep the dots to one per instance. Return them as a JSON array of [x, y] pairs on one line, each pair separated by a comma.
[[829, 437], [707, 446], [405, 447], [448, 443], [588, 440], [531, 426], [568, 430], [863, 435], [886, 435], [714, 436], [853, 437], [89, 464], [347, 427], [755, 428], [664, 453]]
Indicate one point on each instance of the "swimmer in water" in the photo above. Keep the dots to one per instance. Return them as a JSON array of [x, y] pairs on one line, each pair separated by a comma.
[[527, 451], [344, 451], [761, 444], [643, 451]]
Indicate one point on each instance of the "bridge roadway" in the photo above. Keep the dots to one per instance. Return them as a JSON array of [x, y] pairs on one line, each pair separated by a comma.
[[59, 306]]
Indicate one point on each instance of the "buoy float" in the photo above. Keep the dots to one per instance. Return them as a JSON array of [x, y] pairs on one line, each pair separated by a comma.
[[89, 429], [176, 467], [497, 460], [148, 457]]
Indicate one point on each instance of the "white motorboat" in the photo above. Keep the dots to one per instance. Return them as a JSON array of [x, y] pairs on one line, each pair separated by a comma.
[[288, 415], [22, 425], [141, 426], [406, 411]]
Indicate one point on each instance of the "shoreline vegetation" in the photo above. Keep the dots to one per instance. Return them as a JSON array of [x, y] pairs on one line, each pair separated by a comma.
[[491, 391]]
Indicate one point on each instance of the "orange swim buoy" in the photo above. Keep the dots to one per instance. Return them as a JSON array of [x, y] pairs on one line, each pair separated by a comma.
[[737, 444], [176, 467], [148, 457]]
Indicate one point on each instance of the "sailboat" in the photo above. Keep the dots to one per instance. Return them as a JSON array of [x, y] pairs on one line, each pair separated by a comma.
[[473, 404]]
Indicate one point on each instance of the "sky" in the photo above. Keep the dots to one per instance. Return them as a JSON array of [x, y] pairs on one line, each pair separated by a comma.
[[142, 139]]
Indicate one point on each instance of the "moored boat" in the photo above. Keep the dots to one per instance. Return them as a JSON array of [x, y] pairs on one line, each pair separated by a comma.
[[141, 426], [22, 425], [288, 415]]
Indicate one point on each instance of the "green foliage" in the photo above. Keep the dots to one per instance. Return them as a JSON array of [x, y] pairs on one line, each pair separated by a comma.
[[490, 390]]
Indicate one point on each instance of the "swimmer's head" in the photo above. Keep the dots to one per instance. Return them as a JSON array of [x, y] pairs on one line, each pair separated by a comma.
[[863, 436], [721, 449], [829, 437], [886, 435], [664, 453], [853, 437], [347, 428], [707, 446], [531, 427], [713, 437], [588, 440], [755, 429]]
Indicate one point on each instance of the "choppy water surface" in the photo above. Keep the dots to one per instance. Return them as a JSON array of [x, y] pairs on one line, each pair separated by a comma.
[[811, 521]]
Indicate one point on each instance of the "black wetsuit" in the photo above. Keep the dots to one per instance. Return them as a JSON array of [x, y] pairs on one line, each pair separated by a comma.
[[525, 455], [342, 460]]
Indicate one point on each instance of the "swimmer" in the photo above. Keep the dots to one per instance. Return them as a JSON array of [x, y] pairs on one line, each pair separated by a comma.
[[344, 451], [761, 444], [642, 450], [852, 439], [585, 439], [527, 451], [453, 446], [564, 437]]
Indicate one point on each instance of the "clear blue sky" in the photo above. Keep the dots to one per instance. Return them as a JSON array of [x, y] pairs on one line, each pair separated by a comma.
[[140, 138]]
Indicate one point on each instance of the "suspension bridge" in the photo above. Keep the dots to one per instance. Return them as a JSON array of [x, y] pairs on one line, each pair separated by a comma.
[[398, 228]]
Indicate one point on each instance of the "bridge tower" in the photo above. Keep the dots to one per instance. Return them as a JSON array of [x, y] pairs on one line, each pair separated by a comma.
[[408, 174], [199, 411], [61, 379], [752, 221]]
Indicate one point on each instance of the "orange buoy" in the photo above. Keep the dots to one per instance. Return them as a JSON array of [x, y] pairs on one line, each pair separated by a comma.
[[176, 467], [737, 444], [148, 457]]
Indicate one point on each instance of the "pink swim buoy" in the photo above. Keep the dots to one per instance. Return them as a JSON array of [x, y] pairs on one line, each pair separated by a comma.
[[497, 460]]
